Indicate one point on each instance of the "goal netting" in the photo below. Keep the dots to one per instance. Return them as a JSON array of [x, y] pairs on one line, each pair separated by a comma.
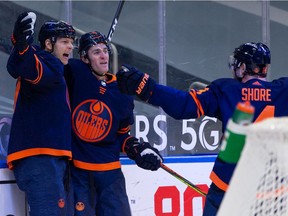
[[259, 185]]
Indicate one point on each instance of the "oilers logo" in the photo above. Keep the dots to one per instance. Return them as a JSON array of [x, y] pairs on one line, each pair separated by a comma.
[[92, 120]]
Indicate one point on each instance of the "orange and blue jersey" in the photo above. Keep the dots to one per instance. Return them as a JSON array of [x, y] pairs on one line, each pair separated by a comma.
[[41, 123], [219, 100], [101, 118]]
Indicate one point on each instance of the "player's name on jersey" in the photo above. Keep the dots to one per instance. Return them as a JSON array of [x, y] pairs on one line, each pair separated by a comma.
[[256, 94]]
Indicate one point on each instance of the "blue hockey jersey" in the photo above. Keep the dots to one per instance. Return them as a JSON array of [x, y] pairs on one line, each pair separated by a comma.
[[219, 100], [41, 121], [101, 118]]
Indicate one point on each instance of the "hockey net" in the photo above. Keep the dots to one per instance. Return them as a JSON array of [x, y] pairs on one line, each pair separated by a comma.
[[259, 185]]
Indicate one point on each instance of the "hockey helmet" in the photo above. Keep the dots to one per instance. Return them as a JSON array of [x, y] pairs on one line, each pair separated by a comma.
[[90, 39], [256, 56], [53, 29]]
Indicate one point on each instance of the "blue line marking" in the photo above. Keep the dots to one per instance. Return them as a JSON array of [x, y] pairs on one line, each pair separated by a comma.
[[177, 159]]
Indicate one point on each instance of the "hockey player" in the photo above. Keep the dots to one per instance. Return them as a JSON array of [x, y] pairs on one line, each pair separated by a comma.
[[101, 119], [249, 63], [40, 140]]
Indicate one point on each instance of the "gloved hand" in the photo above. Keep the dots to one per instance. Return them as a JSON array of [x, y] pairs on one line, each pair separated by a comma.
[[143, 154], [23, 31], [133, 82]]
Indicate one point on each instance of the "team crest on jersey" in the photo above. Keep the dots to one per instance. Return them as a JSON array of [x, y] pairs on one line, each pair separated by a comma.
[[92, 120]]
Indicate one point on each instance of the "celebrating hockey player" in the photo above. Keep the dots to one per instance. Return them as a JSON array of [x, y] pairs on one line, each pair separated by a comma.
[[250, 63], [40, 139], [101, 119]]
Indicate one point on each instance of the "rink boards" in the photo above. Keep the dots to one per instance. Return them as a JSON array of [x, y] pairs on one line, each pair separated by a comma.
[[150, 193]]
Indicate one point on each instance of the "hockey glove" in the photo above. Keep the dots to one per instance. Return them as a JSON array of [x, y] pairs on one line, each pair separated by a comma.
[[23, 31], [143, 154], [133, 82]]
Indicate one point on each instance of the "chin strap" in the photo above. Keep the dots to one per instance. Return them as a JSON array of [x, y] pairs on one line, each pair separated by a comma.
[[93, 71], [96, 73]]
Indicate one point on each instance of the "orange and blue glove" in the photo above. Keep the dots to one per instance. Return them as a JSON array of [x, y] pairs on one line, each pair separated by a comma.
[[131, 81]]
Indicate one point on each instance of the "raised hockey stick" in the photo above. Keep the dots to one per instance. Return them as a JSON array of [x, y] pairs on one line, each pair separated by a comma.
[[185, 181], [115, 20]]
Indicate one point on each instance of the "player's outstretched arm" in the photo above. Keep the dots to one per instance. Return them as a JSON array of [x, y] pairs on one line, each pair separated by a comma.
[[23, 31], [145, 156], [134, 82]]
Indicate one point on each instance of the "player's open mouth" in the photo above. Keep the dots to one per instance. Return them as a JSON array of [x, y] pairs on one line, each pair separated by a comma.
[[66, 55]]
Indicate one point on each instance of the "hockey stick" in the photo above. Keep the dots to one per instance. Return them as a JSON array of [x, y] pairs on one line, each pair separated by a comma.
[[115, 20], [185, 181]]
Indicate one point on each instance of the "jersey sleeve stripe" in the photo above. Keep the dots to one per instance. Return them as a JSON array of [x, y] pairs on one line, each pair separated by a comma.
[[18, 85], [39, 68], [124, 130], [200, 111], [124, 143], [218, 182], [21, 53]]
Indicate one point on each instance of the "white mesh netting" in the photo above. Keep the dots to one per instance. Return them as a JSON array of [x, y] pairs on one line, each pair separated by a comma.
[[259, 186]]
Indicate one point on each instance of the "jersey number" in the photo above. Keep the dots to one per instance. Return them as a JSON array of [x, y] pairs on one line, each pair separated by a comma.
[[267, 112]]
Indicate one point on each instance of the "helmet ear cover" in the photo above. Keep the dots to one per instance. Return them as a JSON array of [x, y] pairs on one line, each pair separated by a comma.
[[90, 39], [256, 57], [233, 63]]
